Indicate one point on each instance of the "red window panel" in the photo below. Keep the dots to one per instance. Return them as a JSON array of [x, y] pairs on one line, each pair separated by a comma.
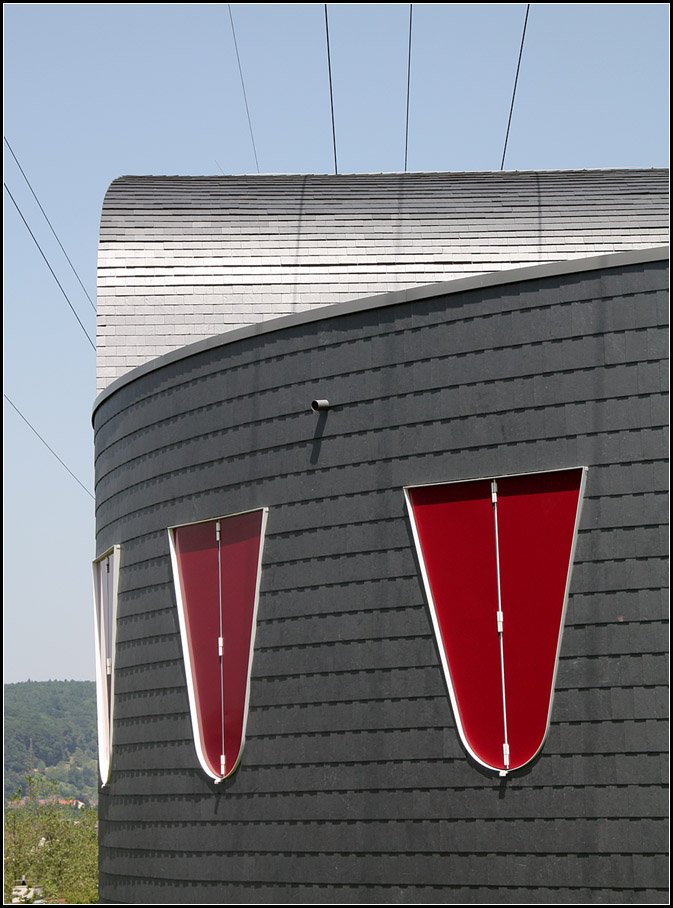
[[105, 583], [216, 566], [496, 557]]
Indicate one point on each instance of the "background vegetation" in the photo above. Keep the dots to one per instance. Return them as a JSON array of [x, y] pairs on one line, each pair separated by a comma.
[[51, 846], [50, 759], [51, 733]]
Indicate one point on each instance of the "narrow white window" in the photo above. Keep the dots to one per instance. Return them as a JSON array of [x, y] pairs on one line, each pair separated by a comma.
[[105, 583]]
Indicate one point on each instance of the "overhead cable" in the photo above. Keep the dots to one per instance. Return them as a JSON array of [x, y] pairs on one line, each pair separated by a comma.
[[47, 446], [516, 79], [50, 268], [93, 306], [245, 98], [331, 95], [406, 140]]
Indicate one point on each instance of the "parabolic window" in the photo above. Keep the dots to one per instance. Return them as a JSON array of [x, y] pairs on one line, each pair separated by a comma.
[[216, 569], [496, 557], [105, 583]]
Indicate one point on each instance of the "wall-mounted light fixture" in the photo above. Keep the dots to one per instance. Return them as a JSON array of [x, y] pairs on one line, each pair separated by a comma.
[[317, 405]]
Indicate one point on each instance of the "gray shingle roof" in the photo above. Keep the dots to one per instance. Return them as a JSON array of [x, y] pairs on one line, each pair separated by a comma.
[[184, 258]]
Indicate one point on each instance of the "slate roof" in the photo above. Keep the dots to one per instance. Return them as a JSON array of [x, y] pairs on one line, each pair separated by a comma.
[[185, 258]]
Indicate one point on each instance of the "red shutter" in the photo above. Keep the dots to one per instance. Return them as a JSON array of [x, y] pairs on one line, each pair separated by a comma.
[[216, 565], [496, 559]]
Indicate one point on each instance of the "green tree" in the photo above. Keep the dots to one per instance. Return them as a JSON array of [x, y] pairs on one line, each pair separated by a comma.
[[52, 845], [50, 726]]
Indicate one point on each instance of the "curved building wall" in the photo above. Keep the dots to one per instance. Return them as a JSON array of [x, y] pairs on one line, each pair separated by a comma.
[[353, 786]]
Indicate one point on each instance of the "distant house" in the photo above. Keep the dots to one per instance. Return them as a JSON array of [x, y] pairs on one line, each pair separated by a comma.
[[71, 802], [63, 802]]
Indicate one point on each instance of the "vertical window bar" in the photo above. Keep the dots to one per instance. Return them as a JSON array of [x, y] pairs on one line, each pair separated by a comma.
[[505, 748], [106, 623], [220, 642], [107, 607]]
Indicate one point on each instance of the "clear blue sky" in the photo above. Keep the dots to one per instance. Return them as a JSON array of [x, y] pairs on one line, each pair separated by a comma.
[[94, 91]]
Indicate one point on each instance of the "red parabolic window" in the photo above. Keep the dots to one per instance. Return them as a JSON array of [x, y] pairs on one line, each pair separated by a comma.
[[105, 582], [496, 557], [216, 568]]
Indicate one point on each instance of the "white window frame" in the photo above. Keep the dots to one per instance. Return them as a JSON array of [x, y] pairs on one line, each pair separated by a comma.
[[105, 645]]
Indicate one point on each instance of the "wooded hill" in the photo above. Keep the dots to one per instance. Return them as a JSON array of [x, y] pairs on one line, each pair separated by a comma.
[[50, 731]]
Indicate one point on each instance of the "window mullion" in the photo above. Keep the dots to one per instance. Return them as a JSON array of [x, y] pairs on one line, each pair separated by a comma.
[[500, 623], [221, 639]]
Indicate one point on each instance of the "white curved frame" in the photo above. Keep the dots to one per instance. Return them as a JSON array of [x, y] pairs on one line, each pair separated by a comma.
[[105, 624], [184, 637], [435, 619]]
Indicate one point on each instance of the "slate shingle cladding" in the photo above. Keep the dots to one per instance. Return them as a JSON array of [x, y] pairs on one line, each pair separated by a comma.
[[353, 785], [184, 258]]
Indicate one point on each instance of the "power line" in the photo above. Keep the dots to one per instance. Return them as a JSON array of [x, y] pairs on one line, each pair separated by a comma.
[[502, 163], [49, 267], [331, 96], [245, 98], [406, 140], [47, 446], [49, 222]]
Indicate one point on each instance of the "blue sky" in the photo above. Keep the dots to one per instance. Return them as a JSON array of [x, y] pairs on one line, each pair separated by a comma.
[[95, 91]]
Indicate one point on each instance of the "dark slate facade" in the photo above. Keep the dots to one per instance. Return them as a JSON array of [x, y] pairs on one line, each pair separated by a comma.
[[353, 786]]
